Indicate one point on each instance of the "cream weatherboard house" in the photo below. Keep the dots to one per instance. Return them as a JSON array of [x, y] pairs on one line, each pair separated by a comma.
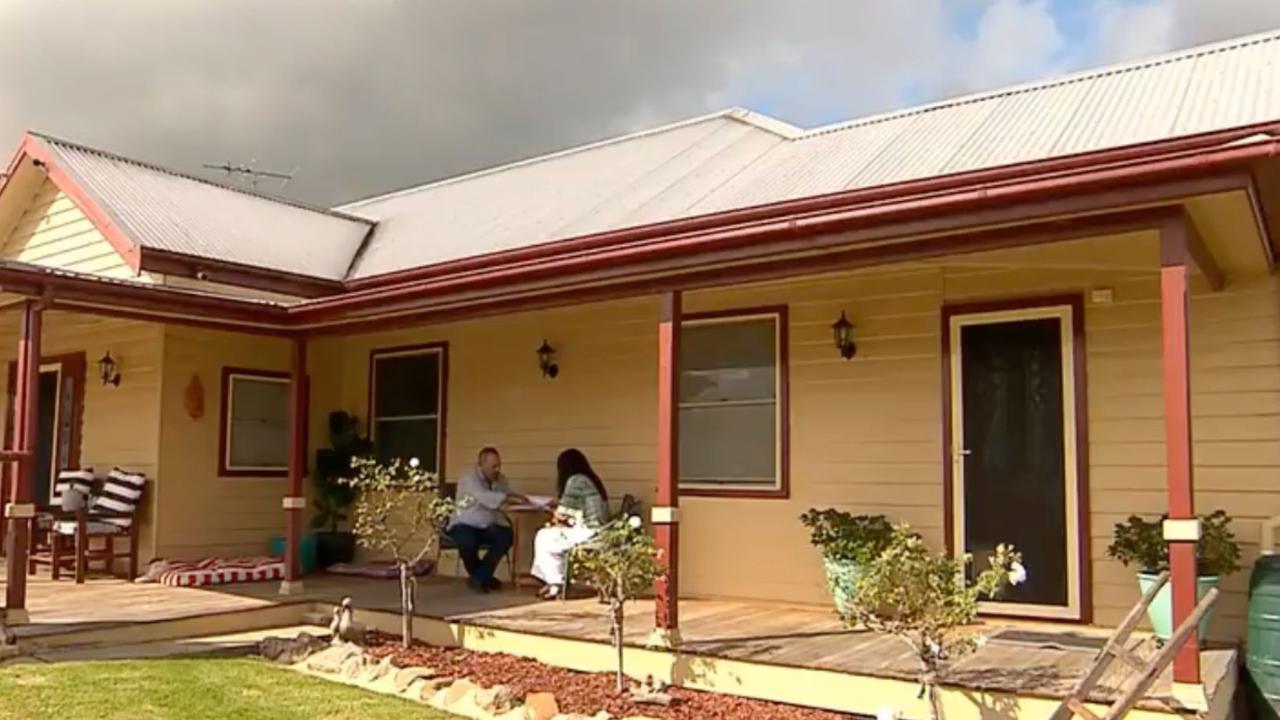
[[1063, 298]]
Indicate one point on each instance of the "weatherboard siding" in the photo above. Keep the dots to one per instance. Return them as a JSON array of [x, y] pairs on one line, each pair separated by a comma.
[[204, 514], [54, 232], [866, 434]]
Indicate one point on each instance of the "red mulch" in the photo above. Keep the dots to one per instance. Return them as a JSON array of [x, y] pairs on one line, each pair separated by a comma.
[[585, 693]]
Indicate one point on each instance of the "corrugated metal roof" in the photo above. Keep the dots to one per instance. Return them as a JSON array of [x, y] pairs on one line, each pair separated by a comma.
[[162, 209], [736, 159]]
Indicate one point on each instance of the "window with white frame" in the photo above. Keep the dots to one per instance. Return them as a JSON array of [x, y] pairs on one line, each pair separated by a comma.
[[731, 403], [408, 403], [255, 423]]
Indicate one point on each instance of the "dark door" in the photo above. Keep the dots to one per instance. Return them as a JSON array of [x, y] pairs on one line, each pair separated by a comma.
[[1013, 454], [46, 435]]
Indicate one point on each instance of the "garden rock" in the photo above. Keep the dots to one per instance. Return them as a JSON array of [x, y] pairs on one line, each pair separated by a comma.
[[404, 677], [541, 706], [290, 650], [459, 691], [520, 713], [495, 700], [432, 686], [379, 671], [353, 667], [330, 660]]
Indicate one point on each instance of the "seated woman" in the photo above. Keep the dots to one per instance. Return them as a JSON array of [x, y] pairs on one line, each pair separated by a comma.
[[582, 508]]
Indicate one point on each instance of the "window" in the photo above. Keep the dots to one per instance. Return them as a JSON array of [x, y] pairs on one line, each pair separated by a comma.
[[255, 423], [407, 404], [733, 404]]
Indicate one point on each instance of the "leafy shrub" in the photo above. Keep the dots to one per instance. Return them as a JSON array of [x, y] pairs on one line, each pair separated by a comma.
[[921, 597], [1141, 542], [844, 537]]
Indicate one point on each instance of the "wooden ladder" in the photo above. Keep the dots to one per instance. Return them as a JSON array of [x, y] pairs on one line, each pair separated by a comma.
[[1145, 673]]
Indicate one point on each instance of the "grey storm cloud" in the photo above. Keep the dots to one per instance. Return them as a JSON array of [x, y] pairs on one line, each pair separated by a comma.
[[364, 96]]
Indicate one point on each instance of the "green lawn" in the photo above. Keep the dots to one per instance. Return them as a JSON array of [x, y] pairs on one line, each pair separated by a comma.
[[188, 689]]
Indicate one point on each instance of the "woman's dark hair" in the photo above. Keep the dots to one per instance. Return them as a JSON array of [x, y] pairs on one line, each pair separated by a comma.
[[572, 462]]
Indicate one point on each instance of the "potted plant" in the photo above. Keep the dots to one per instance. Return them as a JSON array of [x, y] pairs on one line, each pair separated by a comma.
[[1141, 543], [848, 542], [333, 498]]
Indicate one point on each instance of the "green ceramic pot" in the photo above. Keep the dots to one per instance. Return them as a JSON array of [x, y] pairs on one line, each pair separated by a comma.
[[1160, 613], [841, 574]]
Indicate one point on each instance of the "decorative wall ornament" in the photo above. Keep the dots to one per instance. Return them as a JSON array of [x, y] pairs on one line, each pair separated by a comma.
[[193, 400]]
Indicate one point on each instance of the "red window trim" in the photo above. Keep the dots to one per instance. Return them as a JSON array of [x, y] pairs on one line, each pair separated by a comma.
[[224, 424], [441, 347], [783, 491]]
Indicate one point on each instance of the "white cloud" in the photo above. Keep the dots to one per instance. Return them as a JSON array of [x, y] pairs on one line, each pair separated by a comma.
[[1016, 40], [1130, 29]]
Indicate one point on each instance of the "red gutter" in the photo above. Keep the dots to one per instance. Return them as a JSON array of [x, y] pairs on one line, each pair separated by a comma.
[[818, 204], [833, 218], [159, 302]]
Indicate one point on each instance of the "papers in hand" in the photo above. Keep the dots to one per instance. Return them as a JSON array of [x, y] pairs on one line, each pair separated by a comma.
[[541, 501]]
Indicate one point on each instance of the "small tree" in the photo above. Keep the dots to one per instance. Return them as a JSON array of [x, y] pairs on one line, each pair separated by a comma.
[[922, 598], [621, 561], [399, 512]]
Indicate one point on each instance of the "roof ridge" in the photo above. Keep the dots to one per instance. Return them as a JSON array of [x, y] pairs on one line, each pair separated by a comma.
[[1191, 53], [740, 114], [194, 178]]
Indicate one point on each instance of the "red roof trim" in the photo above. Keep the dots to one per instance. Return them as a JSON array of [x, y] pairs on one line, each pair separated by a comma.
[[129, 250]]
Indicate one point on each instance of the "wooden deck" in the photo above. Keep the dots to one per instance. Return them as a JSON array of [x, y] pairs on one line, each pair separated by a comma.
[[1041, 661]]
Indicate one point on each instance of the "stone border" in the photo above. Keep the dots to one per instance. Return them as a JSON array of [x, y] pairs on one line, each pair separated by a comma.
[[348, 664]]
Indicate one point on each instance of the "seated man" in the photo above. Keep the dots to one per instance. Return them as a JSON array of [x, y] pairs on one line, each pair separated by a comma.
[[481, 492]]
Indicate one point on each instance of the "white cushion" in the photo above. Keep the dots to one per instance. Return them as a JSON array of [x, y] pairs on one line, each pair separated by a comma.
[[93, 527]]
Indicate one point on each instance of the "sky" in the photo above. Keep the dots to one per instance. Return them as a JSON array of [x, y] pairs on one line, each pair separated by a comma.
[[366, 96]]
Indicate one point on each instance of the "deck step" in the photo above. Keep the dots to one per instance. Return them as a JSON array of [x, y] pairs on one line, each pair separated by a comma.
[[319, 618], [185, 628]]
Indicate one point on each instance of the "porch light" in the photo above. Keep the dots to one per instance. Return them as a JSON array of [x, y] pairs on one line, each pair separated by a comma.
[[546, 360], [108, 370], [842, 332]]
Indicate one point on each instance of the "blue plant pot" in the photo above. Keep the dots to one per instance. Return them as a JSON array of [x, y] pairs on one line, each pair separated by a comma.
[[307, 558], [1160, 612], [841, 574]]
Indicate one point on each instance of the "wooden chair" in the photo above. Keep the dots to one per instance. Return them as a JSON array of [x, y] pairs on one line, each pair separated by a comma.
[[70, 543], [65, 539]]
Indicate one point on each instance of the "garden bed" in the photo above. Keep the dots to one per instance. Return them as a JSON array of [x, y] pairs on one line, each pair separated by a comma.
[[579, 692]]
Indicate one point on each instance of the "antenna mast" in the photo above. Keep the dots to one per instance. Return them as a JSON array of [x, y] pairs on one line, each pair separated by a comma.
[[247, 172]]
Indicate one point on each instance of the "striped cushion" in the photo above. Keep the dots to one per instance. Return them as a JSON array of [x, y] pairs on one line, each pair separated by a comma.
[[120, 493], [79, 480], [220, 571]]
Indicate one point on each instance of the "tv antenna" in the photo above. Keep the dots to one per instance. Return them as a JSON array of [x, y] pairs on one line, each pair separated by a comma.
[[248, 173]]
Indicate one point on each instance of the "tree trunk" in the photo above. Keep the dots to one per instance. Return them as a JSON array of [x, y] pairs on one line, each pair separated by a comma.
[[935, 701], [407, 603], [616, 617]]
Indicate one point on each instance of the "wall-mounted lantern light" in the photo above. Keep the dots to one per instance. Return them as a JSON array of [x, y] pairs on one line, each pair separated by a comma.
[[842, 333], [109, 370], [547, 360]]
